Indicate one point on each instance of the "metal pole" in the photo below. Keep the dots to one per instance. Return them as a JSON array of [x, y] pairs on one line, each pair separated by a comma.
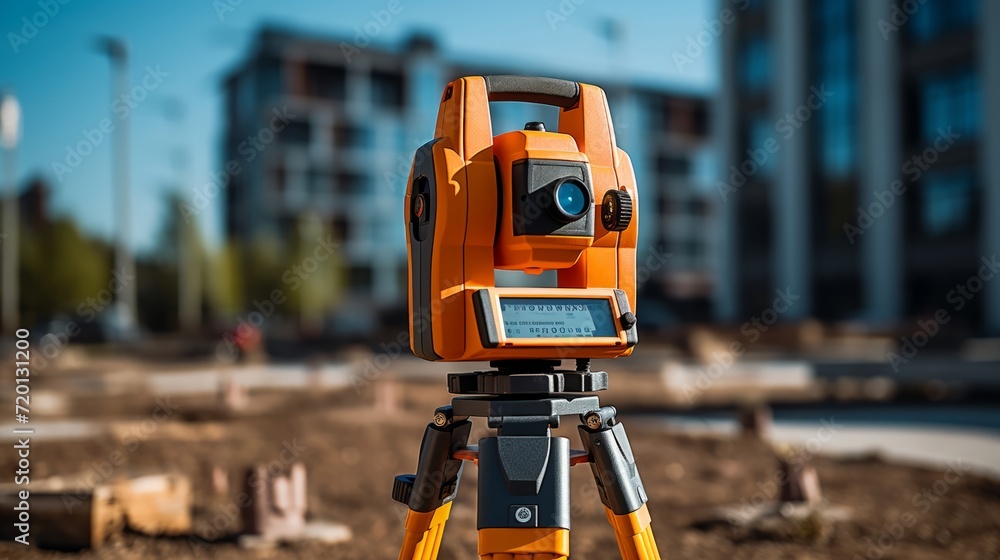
[[10, 245], [10, 130], [118, 53]]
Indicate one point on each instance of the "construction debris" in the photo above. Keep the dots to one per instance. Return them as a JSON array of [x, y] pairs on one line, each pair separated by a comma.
[[71, 517], [278, 503], [277, 510], [756, 421], [157, 504], [799, 513]]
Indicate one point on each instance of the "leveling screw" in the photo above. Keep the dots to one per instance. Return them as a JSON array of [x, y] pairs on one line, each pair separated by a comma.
[[440, 419], [593, 420]]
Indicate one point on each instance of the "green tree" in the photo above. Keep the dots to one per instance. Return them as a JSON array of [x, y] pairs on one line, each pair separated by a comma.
[[60, 269]]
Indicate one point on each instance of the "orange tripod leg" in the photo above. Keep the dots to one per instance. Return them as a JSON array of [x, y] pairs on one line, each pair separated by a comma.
[[424, 532], [619, 484], [429, 492], [524, 544], [634, 534]]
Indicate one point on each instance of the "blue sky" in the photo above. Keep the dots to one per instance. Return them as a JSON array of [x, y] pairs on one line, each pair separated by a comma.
[[185, 46]]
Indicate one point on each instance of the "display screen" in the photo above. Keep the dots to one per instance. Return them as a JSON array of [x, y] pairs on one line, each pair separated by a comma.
[[556, 317]]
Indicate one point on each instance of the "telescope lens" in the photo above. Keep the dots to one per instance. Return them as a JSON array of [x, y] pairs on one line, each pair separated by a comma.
[[572, 198]]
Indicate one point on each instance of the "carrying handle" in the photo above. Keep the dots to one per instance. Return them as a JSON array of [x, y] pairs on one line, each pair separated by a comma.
[[530, 89]]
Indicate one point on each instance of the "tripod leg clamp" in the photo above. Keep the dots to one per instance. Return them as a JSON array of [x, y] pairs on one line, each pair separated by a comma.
[[438, 472], [613, 464]]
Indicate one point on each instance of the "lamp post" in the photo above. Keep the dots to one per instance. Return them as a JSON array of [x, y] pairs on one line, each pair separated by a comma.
[[10, 134], [117, 53]]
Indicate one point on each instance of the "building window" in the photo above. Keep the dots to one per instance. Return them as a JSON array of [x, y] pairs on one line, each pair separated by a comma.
[[359, 277], [693, 250], [279, 177], [326, 82], [934, 18], [834, 147], [947, 202], [270, 77], [295, 132], [666, 205], [387, 89], [351, 183], [835, 63], [320, 181], [950, 100], [755, 157], [341, 228], [673, 165], [699, 207], [756, 64], [347, 136], [835, 206]]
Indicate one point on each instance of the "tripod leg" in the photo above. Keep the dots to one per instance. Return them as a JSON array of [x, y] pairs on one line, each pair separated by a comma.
[[429, 493], [424, 532], [634, 534], [618, 483]]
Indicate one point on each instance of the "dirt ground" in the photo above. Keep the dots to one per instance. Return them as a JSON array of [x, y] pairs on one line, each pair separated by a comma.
[[352, 454]]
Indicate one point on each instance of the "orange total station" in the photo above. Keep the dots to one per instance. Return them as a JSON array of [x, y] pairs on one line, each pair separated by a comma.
[[529, 200]]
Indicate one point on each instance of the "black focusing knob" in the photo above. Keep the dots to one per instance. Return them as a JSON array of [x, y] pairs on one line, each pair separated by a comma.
[[535, 125], [616, 210]]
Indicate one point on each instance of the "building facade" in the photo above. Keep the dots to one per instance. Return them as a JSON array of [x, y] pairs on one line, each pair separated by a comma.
[[359, 114], [859, 145]]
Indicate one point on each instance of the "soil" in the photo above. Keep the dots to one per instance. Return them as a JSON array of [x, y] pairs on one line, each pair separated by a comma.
[[352, 453]]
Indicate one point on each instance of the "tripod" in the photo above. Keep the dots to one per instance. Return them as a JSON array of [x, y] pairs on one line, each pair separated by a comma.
[[524, 495]]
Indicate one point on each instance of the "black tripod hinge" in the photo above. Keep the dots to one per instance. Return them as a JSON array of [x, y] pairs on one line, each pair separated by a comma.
[[438, 472], [614, 468]]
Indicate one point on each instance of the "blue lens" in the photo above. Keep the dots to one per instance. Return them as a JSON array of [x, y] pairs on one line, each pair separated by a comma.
[[572, 197]]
